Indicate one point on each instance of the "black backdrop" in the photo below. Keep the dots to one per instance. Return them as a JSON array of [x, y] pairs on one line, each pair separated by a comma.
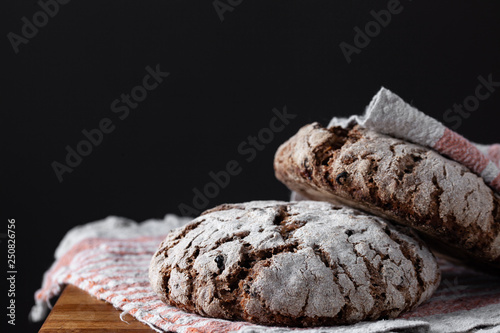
[[226, 77]]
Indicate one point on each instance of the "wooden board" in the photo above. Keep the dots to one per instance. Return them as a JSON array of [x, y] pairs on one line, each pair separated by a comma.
[[77, 311]]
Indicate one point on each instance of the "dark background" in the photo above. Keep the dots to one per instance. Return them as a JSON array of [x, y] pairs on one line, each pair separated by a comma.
[[225, 79]]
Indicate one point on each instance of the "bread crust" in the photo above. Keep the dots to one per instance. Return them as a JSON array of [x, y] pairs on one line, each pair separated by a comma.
[[403, 182], [302, 263]]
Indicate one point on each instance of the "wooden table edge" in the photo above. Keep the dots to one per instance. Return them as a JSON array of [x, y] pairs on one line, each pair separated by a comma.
[[78, 311]]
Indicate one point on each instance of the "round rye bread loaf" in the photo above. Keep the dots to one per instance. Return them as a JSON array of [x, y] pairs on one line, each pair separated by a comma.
[[451, 207], [304, 263]]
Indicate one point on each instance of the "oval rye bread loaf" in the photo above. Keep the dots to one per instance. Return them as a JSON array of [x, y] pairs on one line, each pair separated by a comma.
[[305, 263], [415, 186]]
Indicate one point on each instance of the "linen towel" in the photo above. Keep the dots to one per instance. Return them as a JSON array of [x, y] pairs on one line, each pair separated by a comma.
[[110, 259]]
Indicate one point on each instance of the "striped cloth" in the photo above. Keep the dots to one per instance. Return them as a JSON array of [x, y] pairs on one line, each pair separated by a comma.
[[388, 114], [109, 259]]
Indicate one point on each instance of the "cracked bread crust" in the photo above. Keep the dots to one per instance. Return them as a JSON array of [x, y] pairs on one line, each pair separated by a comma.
[[407, 183], [302, 263]]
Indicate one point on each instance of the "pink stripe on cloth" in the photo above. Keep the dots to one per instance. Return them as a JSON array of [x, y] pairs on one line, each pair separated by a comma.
[[460, 149], [494, 154], [461, 288]]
